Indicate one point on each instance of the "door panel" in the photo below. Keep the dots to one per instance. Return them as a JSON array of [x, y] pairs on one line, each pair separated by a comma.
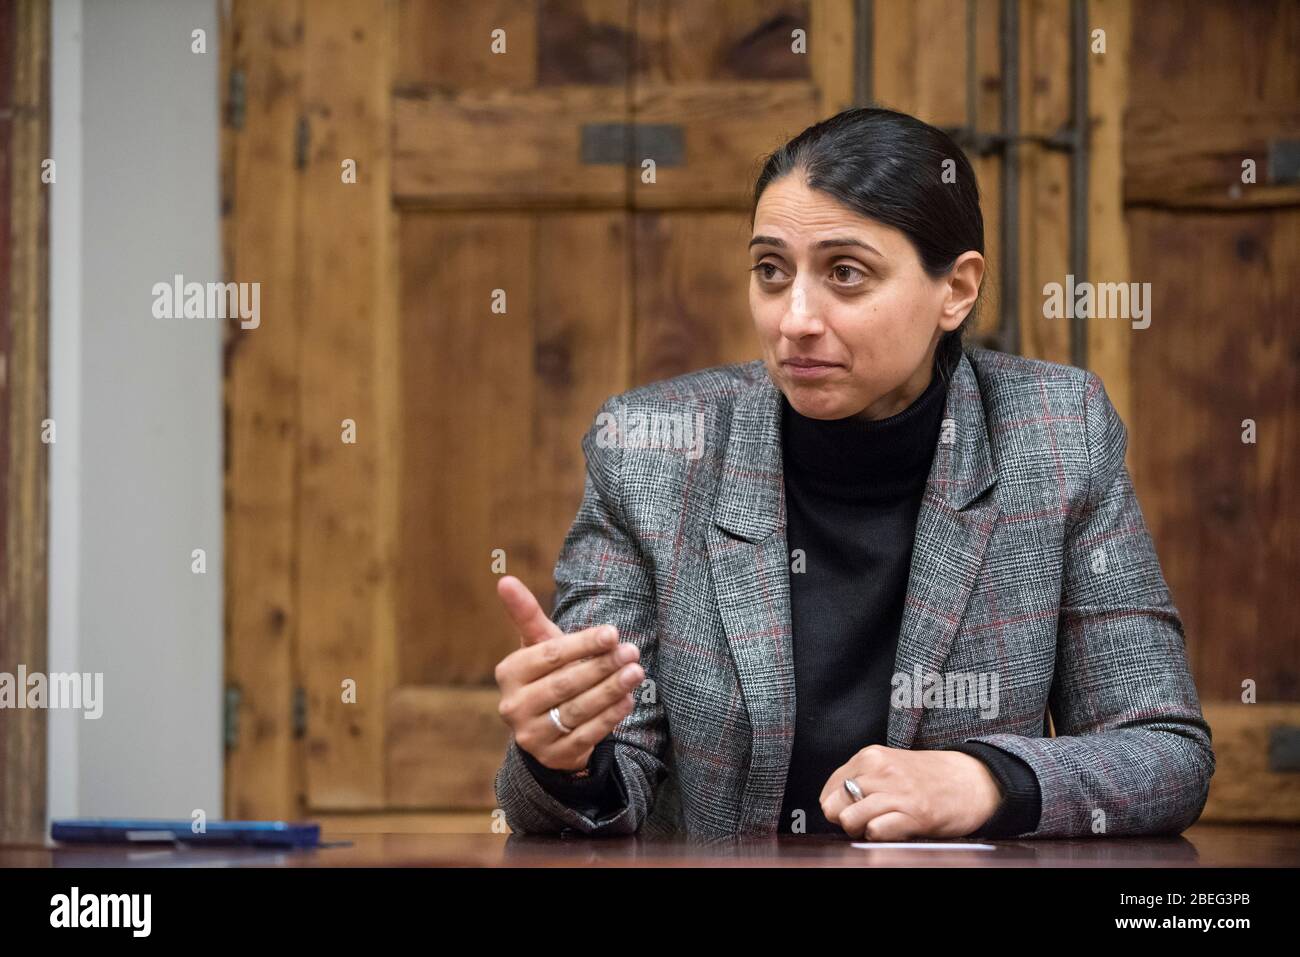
[[1222, 347], [494, 408]]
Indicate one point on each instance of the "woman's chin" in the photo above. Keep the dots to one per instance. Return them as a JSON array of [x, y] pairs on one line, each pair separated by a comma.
[[813, 403]]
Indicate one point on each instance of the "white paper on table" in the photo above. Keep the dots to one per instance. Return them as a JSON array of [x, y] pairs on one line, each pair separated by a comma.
[[924, 846]]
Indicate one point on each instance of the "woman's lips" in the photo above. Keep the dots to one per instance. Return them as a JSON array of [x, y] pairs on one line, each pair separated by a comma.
[[808, 368]]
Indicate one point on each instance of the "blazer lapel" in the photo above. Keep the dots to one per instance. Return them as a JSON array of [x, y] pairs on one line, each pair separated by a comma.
[[951, 538], [749, 559], [750, 565]]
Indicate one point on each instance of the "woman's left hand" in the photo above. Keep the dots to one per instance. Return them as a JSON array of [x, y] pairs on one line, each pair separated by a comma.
[[911, 794]]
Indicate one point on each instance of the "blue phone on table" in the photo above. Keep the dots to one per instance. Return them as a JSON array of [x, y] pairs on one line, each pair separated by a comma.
[[143, 831]]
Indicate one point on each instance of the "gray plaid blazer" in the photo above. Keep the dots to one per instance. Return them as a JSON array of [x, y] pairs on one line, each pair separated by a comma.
[[1031, 561]]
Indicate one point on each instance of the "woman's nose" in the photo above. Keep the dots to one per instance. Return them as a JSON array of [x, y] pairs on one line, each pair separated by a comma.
[[800, 317]]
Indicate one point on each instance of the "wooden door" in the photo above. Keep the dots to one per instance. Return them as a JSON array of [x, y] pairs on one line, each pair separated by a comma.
[[438, 335], [1216, 375]]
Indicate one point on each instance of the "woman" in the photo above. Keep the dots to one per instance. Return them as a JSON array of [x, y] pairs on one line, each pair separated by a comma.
[[927, 549]]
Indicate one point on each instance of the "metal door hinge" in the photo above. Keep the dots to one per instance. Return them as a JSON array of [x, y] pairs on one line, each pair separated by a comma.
[[230, 717], [1284, 161], [632, 143], [1284, 749], [236, 102]]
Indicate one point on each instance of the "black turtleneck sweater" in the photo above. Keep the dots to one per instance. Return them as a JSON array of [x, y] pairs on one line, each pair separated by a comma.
[[853, 490]]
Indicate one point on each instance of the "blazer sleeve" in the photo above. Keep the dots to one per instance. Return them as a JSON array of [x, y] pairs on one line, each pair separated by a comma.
[[1133, 751], [601, 577], [597, 795]]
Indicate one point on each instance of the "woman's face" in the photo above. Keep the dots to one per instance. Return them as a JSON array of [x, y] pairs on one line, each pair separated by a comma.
[[847, 318]]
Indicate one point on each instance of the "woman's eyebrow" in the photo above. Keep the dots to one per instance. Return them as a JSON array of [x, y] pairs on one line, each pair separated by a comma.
[[823, 244]]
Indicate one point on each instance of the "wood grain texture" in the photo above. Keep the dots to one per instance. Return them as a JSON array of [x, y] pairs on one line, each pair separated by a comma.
[[692, 293], [463, 728], [495, 405], [1244, 788], [1222, 348], [988, 169], [505, 44], [919, 59], [1044, 175], [260, 225], [1195, 161], [833, 54], [448, 44], [24, 402], [1228, 56], [583, 42], [1208, 92], [1108, 254], [462, 149], [724, 147], [720, 41], [347, 348]]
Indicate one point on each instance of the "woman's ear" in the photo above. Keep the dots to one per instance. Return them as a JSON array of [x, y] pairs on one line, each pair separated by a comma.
[[963, 289]]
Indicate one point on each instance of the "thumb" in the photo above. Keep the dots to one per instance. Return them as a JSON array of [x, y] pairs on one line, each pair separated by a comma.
[[525, 612]]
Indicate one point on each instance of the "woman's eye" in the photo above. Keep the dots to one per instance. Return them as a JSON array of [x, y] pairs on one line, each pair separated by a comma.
[[762, 270], [851, 270]]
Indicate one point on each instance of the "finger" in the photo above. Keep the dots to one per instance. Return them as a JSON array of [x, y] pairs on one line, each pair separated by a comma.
[[835, 803], [569, 682], [835, 799], [586, 704], [835, 783], [854, 817], [521, 668], [860, 767], [892, 826], [572, 750], [525, 612], [536, 661]]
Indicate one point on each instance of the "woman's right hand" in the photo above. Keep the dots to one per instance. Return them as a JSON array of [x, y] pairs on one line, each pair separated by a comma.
[[588, 675]]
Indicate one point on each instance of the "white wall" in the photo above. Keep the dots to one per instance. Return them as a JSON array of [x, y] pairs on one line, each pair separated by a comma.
[[136, 469]]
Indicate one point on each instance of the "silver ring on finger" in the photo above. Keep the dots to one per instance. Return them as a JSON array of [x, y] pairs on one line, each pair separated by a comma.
[[855, 792], [555, 720]]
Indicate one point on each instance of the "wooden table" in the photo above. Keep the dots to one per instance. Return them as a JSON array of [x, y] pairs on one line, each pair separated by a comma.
[[1205, 845]]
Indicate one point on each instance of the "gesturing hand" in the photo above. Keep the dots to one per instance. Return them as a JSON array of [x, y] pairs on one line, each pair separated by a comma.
[[588, 675], [911, 794]]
